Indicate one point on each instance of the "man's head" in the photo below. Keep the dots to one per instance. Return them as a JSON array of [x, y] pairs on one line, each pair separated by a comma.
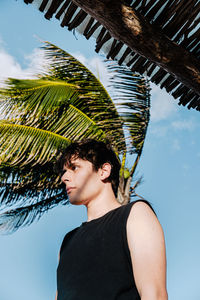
[[97, 153]]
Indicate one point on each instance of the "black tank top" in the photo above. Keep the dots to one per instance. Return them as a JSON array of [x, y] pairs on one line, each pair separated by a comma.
[[95, 262]]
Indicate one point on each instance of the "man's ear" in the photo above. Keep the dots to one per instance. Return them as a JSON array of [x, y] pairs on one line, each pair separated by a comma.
[[105, 171]]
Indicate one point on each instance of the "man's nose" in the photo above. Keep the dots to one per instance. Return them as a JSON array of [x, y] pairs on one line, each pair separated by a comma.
[[66, 177]]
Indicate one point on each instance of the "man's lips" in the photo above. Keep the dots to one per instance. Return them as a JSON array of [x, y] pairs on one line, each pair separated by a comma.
[[69, 189]]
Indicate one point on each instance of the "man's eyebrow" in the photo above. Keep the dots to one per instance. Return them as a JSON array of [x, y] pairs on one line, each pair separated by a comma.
[[69, 165], [74, 163]]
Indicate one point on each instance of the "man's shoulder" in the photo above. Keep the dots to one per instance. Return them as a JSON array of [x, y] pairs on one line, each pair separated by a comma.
[[67, 237], [142, 220], [141, 207]]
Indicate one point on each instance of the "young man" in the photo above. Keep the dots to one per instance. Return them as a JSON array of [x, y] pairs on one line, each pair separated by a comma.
[[119, 253]]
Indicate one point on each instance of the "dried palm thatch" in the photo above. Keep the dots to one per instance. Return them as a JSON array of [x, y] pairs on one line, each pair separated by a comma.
[[178, 20]]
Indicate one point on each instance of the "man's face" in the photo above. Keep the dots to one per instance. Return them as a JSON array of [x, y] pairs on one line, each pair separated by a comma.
[[83, 184]]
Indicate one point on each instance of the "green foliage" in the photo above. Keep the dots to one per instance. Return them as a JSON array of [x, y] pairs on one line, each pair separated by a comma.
[[43, 115]]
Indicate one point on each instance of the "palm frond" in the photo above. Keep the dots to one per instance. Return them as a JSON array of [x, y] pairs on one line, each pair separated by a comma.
[[75, 125], [72, 123], [67, 82], [11, 220], [46, 104], [23, 184], [131, 94], [94, 100], [34, 98], [22, 145]]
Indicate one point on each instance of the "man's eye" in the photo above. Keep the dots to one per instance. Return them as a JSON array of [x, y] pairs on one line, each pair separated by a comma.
[[74, 168]]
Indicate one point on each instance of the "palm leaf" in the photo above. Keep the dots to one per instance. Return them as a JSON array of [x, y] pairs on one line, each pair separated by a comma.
[[45, 104], [94, 100], [36, 97], [34, 189], [41, 100], [27, 183], [11, 220], [131, 94], [76, 125], [22, 145]]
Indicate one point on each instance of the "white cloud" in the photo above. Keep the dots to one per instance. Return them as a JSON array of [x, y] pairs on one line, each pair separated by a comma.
[[184, 124], [35, 62], [9, 67], [162, 104]]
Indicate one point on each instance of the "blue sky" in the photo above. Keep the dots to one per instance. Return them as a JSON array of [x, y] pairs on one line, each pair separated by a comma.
[[170, 167]]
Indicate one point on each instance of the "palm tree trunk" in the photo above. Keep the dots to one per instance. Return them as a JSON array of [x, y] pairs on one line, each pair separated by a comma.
[[124, 193], [129, 27]]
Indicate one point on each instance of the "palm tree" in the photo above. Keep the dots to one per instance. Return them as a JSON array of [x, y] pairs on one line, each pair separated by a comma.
[[65, 103]]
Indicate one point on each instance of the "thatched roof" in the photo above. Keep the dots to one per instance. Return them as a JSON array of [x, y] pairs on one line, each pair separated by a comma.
[[177, 19]]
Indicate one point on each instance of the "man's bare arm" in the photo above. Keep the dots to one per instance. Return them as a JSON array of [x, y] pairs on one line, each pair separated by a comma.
[[58, 262], [147, 248], [56, 295]]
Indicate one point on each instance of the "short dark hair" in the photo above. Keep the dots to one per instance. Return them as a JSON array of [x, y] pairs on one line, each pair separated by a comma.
[[97, 153]]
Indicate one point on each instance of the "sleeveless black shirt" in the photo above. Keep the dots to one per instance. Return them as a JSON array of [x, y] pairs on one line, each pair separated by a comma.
[[95, 262]]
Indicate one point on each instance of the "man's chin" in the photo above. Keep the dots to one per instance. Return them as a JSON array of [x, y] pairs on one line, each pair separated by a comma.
[[75, 201]]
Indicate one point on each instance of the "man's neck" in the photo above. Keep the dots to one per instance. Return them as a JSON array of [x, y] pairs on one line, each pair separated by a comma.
[[101, 205]]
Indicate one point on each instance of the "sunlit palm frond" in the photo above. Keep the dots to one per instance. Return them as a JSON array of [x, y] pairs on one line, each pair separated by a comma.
[[22, 145], [94, 99], [39, 102], [34, 98], [76, 124]]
